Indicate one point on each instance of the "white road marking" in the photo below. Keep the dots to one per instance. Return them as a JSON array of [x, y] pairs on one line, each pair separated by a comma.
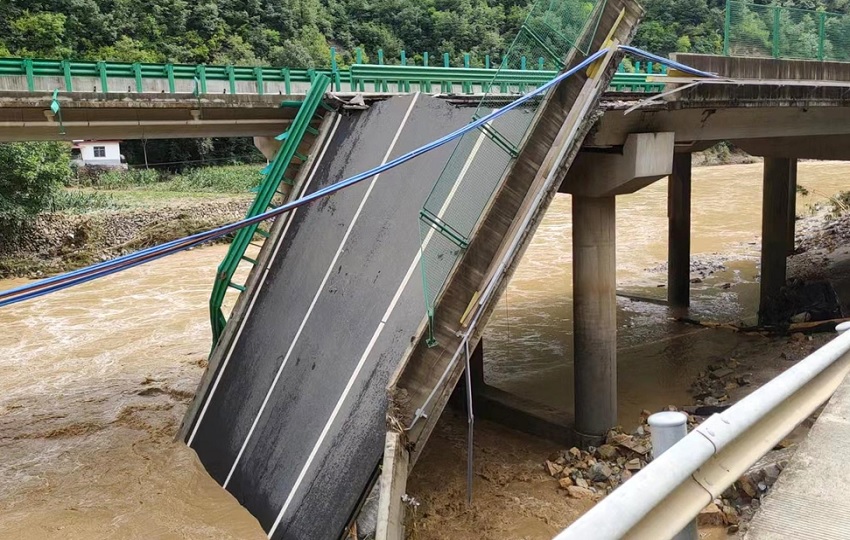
[[318, 293], [374, 340], [260, 286]]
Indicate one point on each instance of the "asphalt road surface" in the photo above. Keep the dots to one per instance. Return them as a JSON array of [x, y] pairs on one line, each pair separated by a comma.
[[294, 422]]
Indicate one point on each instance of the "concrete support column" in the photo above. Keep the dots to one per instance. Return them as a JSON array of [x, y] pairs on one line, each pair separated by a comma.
[[679, 233], [792, 207], [268, 146], [776, 215], [595, 317]]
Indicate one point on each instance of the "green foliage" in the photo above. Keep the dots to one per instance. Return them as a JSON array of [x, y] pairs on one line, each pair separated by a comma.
[[74, 201], [232, 179], [30, 175]]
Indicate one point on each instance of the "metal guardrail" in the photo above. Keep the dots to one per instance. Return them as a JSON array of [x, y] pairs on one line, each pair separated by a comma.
[[269, 187], [68, 76], [665, 496]]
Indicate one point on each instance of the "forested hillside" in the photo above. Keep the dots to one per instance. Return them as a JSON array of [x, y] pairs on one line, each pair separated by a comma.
[[298, 33]]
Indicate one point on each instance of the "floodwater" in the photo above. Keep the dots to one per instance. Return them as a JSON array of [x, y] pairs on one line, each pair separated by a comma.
[[528, 342], [94, 380]]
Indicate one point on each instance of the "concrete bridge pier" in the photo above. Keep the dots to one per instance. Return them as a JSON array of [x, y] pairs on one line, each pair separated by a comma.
[[777, 230], [268, 146], [594, 180], [679, 233], [594, 316]]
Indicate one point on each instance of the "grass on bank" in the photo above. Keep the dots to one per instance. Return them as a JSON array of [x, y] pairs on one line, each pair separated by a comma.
[[115, 189]]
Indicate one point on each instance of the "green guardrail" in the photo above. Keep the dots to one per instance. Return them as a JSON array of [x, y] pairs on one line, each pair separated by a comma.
[[269, 187], [380, 77], [774, 31]]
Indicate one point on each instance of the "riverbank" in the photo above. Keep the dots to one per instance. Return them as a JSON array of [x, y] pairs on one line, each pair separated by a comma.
[[103, 213]]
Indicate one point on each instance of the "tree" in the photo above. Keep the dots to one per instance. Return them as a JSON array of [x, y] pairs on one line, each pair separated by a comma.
[[32, 174], [40, 34]]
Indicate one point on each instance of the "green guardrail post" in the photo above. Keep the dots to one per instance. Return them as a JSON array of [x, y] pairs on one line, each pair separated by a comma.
[[169, 72], [776, 31], [137, 74], [426, 82], [381, 85], [201, 73], [523, 64], [358, 59], [66, 71], [258, 77], [467, 86], [727, 27], [104, 84], [337, 81], [287, 81], [821, 35], [403, 85], [231, 78], [27, 64]]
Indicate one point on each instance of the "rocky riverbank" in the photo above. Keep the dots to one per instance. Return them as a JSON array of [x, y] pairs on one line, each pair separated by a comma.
[[61, 241]]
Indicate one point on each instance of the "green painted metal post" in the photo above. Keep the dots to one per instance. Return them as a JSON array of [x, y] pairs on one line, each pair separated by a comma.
[[522, 65], [446, 86], [30, 75], [66, 71], [540, 63], [487, 61], [427, 82], [727, 27], [358, 54], [201, 72], [383, 84], [776, 31], [258, 76], [137, 74], [335, 71], [287, 81], [231, 78], [821, 35], [169, 72], [467, 86], [403, 86], [104, 84]]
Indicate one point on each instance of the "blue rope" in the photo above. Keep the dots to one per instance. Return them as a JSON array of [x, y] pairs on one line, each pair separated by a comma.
[[95, 271]]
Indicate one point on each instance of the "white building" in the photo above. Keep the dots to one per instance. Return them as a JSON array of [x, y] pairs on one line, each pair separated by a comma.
[[97, 153]]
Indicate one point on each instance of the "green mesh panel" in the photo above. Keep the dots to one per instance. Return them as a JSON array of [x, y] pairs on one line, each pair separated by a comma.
[[482, 157], [782, 32]]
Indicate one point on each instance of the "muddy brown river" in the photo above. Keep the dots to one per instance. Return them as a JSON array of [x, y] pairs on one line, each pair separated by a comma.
[[94, 380]]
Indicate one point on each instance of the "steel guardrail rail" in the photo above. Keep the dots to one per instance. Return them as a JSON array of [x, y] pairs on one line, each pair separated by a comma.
[[666, 495], [269, 187], [114, 75]]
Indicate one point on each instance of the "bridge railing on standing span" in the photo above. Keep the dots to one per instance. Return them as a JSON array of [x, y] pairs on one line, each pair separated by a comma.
[[26, 74], [664, 497], [783, 32]]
